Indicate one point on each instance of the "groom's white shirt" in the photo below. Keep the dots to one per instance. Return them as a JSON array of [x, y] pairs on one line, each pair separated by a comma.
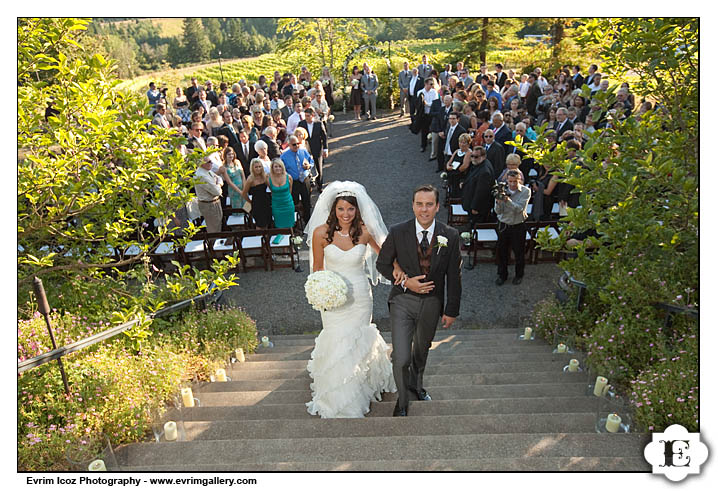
[[420, 229]]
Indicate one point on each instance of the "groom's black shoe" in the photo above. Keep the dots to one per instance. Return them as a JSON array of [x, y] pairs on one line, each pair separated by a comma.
[[399, 411], [421, 394]]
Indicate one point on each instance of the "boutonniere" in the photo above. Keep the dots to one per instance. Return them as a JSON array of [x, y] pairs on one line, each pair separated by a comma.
[[441, 241]]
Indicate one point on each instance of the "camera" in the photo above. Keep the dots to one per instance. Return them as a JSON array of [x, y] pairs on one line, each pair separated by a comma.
[[500, 190]]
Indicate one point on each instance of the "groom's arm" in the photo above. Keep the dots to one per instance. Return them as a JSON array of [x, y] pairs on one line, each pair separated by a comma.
[[453, 276], [387, 254]]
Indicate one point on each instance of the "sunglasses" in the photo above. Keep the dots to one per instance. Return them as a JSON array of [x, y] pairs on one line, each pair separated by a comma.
[[294, 144], [488, 136]]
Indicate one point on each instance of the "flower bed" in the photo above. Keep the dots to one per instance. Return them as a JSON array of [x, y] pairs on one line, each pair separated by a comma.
[[114, 389]]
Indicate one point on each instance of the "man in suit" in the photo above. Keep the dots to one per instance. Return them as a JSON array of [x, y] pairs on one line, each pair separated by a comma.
[[425, 270], [425, 68], [450, 139], [439, 112], [476, 196], [527, 163], [192, 92], [288, 108], [404, 79], [563, 124], [206, 103], [211, 94], [246, 152], [444, 76], [415, 85], [317, 142], [369, 86], [502, 133], [289, 88], [533, 95], [501, 77], [577, 77], [591, 72], [227, 129], [495, 152], [160, 119], [269, 136], [195, 139], [426, 97]]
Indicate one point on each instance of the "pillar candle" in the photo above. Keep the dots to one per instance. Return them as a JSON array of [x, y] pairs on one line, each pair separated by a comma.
[[221, 375], [265, 341], [573, 365], [527, 334], [170, 431], [561, 348], [187, 397], [600, 387], [613, 422], [239, 355], [97, 466]]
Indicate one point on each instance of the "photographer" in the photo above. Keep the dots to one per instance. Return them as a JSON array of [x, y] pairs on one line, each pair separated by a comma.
[[510, 209]]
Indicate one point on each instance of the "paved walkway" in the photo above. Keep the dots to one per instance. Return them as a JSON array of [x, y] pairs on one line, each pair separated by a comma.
[[385, 157]]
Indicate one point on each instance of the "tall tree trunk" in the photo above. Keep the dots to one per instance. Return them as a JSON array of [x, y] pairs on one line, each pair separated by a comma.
[[321, 40], [330, 27], [484, 39], [557, 38]]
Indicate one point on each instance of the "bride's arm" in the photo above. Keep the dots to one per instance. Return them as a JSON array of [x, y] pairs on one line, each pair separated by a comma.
[[318, 244]]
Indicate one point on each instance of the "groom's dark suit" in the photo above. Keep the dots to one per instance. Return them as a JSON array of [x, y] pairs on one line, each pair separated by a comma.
[[414, 316]]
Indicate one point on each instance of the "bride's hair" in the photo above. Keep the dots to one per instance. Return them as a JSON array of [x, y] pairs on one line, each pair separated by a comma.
[[333, 221]]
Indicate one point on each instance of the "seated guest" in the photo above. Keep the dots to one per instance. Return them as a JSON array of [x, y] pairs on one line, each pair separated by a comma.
[[476, 196]]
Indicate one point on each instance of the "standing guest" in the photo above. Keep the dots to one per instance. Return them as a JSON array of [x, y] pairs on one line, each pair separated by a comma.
[[214, 121], [160, 119], [297, 163], [328, 86], [211, 94], [502, 133], [439, 121], [415, 85], [281, 126], [181, 106], [244, 151], [153, 95], [233, 177], [591, 74], [577, 77], [195, 140], [476, 190], [288, 108], [204, 103], [465, 78], [280, 184], [468, 115], [252, 130], [562, 122], [355, 97], [458, 165], [513, 161], [482, 120], [235, 96], [317, 143], [424, 68], [260, 150], [269, 136], [495, 152], [535, 91], [404, 79], [511, 230], [369, 86], [192, 91], [492, 93], [295, 118], [256, 192], [426, 96], [321, 107], [444, 76], [501, 77], [524, 87], [450, 137], [209, 194], [228, 130]]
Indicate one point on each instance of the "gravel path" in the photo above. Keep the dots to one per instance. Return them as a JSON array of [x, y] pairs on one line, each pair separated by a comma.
[[385, 157]]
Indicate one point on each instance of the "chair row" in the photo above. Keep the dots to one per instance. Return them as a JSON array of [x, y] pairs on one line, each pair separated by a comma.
[[484, 238]]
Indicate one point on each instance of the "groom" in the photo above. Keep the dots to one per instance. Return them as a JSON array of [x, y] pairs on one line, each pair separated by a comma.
[[428, 254]]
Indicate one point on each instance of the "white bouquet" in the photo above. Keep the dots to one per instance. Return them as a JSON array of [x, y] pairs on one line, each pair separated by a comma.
[[325, 290], [355, 82]]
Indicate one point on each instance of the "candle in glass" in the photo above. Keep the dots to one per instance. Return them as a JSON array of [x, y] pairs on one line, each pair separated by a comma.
[[239, 355], [265, 341], [613, 422], [221, 375], [187, 397], [600, 386], [97, 466], [527, 333], [561, 348], [573, 365], [170, 431]]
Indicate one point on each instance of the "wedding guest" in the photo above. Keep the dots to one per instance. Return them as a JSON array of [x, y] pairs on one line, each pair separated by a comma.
[[355, 97], [209, 194], [256, 191], [298, 164], [280, 184], [476, 189], [457, 166], [234, 177], [511, 214], [261, 149], [369, 86]]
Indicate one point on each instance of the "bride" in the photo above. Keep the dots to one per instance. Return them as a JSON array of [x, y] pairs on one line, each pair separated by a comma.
[[350, 363]]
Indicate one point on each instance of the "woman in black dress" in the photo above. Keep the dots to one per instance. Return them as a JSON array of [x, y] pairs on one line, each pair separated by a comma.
[[328, 85], [355, 98], [458, 165], [256, 186]]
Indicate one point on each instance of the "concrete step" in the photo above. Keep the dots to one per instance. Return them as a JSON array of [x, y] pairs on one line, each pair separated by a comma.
[[444, 447], [292, 373], [440, 334], [467, 341], [443, 349], [220, 394], [253, 363], [506, 405], [522, 464], [430, 381], [411, 426]]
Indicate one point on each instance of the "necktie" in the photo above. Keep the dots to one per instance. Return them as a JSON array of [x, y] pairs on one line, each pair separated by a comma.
[[487, 147], [246, 150], [424, 242]]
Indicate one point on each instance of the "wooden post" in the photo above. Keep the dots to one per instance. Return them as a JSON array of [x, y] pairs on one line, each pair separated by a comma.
[[44, 309]]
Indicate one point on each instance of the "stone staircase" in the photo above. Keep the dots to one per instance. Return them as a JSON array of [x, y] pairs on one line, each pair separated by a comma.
[[499, 404]]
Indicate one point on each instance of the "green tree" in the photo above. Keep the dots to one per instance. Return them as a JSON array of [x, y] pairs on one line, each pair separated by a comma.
[[91, 177], [214, 33], [477, 35], [195, 43]]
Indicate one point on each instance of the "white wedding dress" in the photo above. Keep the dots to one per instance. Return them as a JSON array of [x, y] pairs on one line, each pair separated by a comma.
[[350, 363]]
